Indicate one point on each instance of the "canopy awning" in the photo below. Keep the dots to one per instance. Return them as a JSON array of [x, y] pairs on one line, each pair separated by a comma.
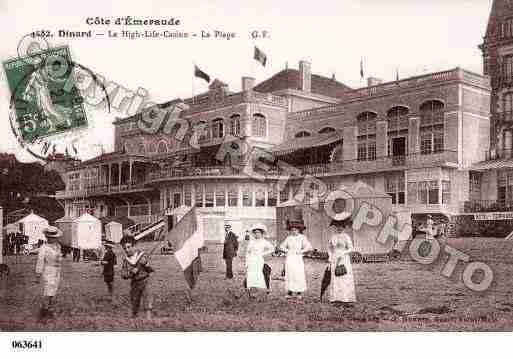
[[492, 165], [295, 144]]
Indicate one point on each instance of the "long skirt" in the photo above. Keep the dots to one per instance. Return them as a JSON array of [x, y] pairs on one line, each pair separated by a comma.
[[254, 272], [342, 288], [295, 278], [51, 280]]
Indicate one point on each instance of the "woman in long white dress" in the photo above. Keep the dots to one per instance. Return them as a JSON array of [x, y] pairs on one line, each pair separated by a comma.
[[257, 248], [295, 245], [49, 268], [342, 288]]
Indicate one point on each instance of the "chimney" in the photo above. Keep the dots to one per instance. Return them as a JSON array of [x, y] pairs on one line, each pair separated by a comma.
[[373, 81], [305, 76], [247, 83]]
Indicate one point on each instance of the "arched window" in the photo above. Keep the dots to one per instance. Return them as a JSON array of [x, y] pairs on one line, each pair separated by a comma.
[[397, 118], [259, 125], [128, 147], [337, 155], [218, 128], [162, 148], [366, 122], [327, 130], [301, 134], [152, 147], [431, 127], [141, 149], [235, 125]]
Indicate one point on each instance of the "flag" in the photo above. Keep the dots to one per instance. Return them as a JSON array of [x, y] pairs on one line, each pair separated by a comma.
[[260, 56], [362, 75], [201, 74], [187, 242]]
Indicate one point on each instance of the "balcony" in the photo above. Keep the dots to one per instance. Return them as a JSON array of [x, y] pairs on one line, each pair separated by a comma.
[[101, 190], [478, 206], [446, 158]]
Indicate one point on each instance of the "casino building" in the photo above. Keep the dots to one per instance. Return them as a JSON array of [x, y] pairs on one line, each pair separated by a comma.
[[416, 139]]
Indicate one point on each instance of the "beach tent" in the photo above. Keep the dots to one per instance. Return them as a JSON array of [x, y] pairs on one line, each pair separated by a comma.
[[11, 228], [32, 226], [123, 220], [114, 232], [86, 232], [317, 221], [65, 224]]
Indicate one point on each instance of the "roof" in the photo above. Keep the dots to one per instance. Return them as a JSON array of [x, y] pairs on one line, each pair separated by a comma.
[[111, 156], [492, 164], [317, 140], [32, 217], [289, 79], [86, 217]]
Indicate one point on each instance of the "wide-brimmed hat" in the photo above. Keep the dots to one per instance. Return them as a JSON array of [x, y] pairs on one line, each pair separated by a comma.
[[52, 232], [259, 226], [296, 224]]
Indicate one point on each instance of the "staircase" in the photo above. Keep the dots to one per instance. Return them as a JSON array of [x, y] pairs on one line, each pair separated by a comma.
[[141, 230]]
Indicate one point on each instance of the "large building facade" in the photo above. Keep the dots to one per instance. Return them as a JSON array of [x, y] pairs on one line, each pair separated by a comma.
[[415, 139]]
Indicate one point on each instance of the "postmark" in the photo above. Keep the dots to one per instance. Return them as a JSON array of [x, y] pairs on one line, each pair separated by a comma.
[[47, 114]]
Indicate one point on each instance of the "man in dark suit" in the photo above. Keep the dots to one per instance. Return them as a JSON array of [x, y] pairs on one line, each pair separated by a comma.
[[231, 246]]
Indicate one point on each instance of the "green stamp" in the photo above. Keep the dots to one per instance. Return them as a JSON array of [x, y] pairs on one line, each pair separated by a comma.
[[44, 98]]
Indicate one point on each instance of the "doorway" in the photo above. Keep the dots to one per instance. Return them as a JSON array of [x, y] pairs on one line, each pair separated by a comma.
[[399, 151]]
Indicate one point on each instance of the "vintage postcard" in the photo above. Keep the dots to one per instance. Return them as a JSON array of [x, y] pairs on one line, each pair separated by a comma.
[[255, 166]]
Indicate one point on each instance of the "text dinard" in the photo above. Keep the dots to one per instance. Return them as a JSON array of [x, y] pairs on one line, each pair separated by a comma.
[[129, 20]]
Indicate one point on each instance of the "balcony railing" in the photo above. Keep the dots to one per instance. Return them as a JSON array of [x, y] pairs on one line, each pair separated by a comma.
[[344, 167], [100, 189], [477, 206]]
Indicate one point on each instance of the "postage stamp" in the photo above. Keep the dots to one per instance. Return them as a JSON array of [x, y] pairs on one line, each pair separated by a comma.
[[44, 99]]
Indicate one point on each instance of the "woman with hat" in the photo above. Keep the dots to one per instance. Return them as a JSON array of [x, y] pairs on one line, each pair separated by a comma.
[[258, 247], [49, 268], [295, 245], [340, 246]]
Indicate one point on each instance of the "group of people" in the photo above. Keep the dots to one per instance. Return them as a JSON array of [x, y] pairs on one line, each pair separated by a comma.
[[339, 272], [14, 243], [136, 265]]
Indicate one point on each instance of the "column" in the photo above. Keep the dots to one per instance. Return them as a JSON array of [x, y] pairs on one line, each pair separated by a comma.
[[120, 166], [109, 180], [414, 135], [381, 138], [349, 146], [131, 163]]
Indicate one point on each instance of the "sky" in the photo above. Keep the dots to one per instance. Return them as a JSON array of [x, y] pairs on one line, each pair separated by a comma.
[[409, 36]]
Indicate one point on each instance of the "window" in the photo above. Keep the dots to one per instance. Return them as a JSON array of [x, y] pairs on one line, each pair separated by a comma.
[[247, 197], [233, 197], [397, 118], [177, 199], [209, 196], [366, 123], [259, 126], [337, 155], [198, 197], [284, 194], [162, 147], [394, 186], [142, 149], [431, 127], [423, 192], [507, 104], [271, 197], [412, 193], [235, 125], [220, 197], [302, 134], [260, 197], [218, 128], [433, 192], [187, 196], [152, 148], [506, 29], [203, 130], [446, 192], [475, 185], [507, 67], [327, 130]]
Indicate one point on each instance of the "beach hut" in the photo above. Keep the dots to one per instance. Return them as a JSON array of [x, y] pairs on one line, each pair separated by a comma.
[[86, 232], [317, 220], [113, 232], [32, 226], [65, 224]]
